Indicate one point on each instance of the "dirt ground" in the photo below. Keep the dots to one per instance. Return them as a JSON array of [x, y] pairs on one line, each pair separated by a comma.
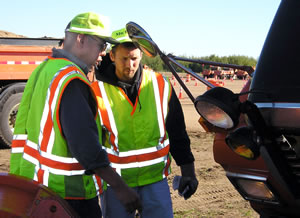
[[215, 196]]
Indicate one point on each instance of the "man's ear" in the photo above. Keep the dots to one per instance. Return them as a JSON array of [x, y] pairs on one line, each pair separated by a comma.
[[80, 39], [112, 56]]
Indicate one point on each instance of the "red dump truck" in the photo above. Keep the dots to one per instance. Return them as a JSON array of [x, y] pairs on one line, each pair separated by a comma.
[[18, 58]]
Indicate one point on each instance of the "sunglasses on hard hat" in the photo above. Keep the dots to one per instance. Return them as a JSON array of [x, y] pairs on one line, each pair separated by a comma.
[[102, 44]]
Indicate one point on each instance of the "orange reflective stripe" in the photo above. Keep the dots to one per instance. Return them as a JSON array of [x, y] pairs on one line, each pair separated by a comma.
[[51, 163], [161, 85], [49, 122], [40, 176], [59, 100], [99, 182], [18, 143], [140, 157], [104, 113], [166, 171]]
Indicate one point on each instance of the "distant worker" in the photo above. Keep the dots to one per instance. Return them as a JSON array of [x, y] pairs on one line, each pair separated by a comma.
[[57, 134], [144, 123]]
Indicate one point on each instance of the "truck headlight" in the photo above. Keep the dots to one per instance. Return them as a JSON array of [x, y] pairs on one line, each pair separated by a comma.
[[219, 106], [254, 188]]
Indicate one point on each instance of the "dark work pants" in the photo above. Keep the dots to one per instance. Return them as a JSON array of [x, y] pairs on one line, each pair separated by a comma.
[[86, 208]]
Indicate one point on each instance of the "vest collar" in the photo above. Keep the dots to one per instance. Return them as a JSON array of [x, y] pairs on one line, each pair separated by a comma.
[[61, 53]]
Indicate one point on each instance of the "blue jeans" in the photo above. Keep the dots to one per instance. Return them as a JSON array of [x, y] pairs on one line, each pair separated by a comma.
[[156, 201]]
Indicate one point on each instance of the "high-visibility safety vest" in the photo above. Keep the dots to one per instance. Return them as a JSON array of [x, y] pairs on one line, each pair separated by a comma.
[[135, 138], [39, 150]]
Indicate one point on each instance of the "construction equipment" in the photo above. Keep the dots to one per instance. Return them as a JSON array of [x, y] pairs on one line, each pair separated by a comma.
[[222, 72], [18, 58], [257, 131], [20, 197], [241, 74], [208, 73]]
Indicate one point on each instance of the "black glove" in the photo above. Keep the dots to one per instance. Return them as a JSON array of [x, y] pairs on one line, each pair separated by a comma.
[[188, 186], [188, 182]]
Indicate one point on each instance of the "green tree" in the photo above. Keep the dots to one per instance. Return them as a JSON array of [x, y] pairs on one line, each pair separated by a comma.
[[157, 64]]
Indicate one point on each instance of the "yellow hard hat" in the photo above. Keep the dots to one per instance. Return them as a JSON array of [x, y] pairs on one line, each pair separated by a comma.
[[121, 35], [91, 23]]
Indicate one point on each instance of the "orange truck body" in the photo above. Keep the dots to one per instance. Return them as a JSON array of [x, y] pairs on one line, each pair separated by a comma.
[[17, 62], [18, 58]]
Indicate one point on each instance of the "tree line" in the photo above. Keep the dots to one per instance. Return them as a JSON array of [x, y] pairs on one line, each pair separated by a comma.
[[157, 64]]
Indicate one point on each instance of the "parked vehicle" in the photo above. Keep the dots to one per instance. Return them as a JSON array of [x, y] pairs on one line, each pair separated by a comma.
[[241, 74], [257, 139], [227, 73], [216, 71], [222, 72], [18, 58], [207, 73]]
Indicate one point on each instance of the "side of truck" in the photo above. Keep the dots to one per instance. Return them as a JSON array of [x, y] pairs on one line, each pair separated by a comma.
[[18, 58], [222, 72], [227, 73], [257, 139]]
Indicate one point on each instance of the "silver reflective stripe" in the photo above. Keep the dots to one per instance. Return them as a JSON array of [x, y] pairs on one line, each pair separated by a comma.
[[36, 169], [166, 98], [20, 137], [99, 112], [17, 150], [158, 106], [46, 178], [96, 184], [98, 31]]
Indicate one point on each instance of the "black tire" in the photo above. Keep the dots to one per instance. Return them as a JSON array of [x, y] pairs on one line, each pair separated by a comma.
[[9, 104]]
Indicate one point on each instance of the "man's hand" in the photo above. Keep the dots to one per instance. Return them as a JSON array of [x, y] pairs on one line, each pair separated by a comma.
[[127, 196], [188, 182], [187, 186]]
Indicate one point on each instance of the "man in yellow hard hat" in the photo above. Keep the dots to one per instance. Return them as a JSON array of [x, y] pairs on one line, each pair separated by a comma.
[[57, 133], [144, 126]]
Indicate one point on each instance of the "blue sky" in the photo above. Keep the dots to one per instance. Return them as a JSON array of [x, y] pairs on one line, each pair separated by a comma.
[[182, 27]]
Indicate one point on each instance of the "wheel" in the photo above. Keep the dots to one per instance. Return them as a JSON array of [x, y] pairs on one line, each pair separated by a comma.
[[9, 105]]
